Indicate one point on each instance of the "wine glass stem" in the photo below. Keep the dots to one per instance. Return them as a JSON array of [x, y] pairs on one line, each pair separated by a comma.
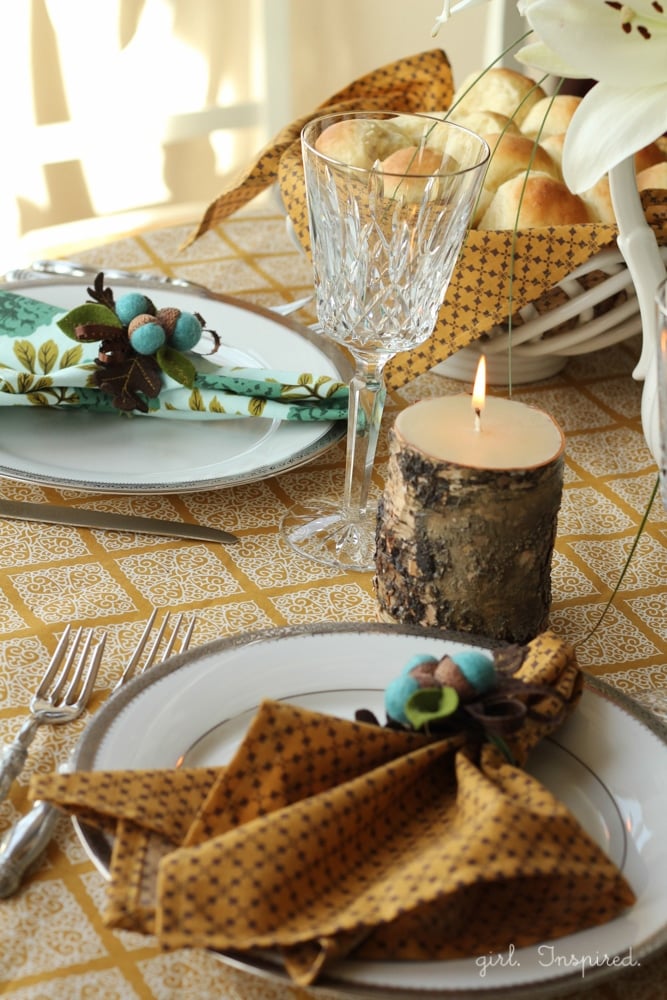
[[366, 405]]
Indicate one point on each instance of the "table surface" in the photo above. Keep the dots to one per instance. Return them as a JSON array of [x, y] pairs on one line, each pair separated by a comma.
[[53, 941]]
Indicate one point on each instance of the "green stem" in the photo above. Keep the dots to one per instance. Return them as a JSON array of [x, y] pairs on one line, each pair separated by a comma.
[[625, 567]]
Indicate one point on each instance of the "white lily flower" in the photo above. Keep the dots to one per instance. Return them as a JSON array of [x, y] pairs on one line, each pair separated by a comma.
[[624, 48]]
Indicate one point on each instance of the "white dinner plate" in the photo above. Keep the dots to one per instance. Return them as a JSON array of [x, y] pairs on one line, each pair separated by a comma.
[[98, 452], [608, 764]]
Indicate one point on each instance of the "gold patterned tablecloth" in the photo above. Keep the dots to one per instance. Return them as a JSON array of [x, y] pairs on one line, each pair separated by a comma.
[[53, 941]]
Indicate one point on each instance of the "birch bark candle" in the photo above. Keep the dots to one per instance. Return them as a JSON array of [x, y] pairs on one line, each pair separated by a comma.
[[468, 518]]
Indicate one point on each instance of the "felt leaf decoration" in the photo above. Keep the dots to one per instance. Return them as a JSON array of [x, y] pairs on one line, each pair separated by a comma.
[[428, 705], [130, 382], [176, 366], [89, 314]]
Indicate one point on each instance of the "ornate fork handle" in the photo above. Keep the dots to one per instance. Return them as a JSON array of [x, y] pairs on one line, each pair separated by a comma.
[[14, 756], [23, 843]]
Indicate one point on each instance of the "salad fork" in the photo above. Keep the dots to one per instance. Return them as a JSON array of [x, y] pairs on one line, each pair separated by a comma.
[[61, 697], [25, 841]]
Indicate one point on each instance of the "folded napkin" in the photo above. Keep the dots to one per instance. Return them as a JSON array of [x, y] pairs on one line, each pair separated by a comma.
[[498, 271], [325, 838], [41, 366]]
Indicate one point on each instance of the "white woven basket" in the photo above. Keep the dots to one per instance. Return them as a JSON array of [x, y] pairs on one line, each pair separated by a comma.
[[596, 317]]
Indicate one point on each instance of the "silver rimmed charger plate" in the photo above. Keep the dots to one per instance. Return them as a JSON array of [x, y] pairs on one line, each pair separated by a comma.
[[608, 763], [99, 453]]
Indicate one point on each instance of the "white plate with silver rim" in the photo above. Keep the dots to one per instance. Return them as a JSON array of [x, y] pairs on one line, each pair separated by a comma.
[[608, 764], [102, 453]]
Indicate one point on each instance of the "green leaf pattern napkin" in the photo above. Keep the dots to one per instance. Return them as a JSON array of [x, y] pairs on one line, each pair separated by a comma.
[[41, 366]]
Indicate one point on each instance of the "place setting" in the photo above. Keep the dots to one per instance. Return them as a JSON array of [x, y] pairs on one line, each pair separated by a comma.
[[141, 456]]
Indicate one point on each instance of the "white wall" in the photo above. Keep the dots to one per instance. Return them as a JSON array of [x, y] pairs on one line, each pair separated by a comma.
[[335, 42], [117, 68]]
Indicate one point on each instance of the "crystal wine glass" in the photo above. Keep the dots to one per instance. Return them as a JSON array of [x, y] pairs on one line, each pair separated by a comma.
[[389, 200]]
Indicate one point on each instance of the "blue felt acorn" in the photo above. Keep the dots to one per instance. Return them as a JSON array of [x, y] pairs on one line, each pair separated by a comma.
[[399, 690], [148, 338], [131, 305], [469, 672], [186, 333]]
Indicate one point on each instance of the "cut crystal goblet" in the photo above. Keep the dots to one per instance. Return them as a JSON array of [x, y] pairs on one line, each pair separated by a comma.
[[389, 201]]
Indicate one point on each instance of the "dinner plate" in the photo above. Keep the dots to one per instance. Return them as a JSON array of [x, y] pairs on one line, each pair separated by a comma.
[[96, 452], [607, 763]]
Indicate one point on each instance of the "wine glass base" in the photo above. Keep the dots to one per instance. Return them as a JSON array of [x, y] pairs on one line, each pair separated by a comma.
[[326, 535]]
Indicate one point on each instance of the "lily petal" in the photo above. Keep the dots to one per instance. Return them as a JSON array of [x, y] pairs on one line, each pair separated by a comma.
[[609, 125], [590, 34], [537, 54]]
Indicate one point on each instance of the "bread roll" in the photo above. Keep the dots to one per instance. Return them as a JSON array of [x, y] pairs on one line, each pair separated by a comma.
[[653, 177], [418, 130], [550, 116], [486, 122], [360, 142], [512, 155], [553, 145], [502, 90], [544, 202], [598, 201], [648, 157], [412, 160]]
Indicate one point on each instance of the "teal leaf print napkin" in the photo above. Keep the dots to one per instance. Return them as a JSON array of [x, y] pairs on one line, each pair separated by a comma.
[[41, 366]]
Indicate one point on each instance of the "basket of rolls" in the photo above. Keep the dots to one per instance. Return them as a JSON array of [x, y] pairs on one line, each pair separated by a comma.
[[539, 277], [595, 305]]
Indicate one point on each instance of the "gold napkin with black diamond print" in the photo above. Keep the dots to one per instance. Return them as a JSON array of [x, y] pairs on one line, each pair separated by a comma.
[[325, 838]]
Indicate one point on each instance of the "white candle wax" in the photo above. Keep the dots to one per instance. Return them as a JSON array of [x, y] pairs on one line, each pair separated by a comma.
[[511, 435]]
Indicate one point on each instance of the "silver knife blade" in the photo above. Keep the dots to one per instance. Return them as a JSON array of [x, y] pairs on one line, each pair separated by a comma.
[[81, 517]]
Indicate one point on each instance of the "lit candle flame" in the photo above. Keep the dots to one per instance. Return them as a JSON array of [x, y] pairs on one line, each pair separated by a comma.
[[479, 392]]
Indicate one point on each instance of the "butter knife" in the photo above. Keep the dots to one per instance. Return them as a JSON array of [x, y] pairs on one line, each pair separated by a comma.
[[85, 518]]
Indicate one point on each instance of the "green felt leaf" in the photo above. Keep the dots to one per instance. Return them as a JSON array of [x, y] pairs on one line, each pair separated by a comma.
[[88, 313], [176, 366], [430, 704]]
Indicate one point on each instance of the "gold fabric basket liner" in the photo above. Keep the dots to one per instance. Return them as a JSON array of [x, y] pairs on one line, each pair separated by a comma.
[[527, 274]]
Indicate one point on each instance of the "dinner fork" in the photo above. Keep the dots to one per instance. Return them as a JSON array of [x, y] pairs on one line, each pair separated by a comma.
[[62, 695], [25, 841], [41, 269]]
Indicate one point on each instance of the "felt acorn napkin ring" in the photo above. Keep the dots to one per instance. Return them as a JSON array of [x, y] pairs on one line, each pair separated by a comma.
[[129, 356]]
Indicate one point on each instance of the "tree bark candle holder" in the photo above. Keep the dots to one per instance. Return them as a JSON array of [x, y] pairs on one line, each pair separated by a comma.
[[468, 518]]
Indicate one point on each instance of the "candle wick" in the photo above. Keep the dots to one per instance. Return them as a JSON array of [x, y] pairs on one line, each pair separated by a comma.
[[478, 418]]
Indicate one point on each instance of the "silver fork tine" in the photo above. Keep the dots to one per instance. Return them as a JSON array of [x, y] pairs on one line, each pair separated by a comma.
[[188, 634], [70, 694], [152, 653], [172, 640], [47, 707], [90, 674], [56, 660], [138, 650], [156, 642]]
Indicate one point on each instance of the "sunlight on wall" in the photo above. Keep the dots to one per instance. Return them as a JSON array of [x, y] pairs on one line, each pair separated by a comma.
[[105, 85], [93, 87], [89, 87]]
